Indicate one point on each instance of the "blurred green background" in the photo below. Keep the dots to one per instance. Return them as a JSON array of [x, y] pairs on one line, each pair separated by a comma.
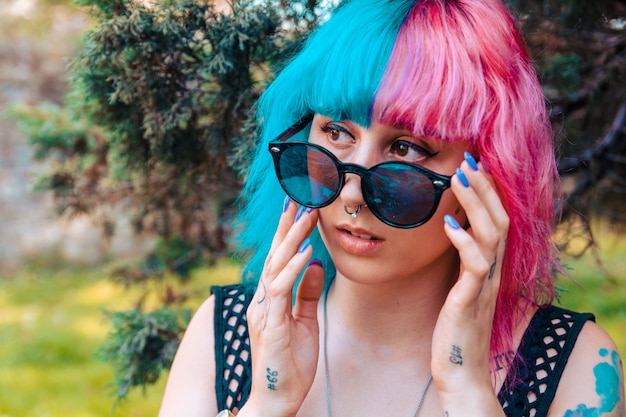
[[55, 275]]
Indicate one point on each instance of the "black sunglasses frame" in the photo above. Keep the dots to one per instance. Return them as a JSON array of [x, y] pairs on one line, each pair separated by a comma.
[[277, 146]]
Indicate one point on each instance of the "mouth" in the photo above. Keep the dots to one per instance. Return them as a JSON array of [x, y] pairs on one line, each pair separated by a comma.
[[358, 241], [360, 235]]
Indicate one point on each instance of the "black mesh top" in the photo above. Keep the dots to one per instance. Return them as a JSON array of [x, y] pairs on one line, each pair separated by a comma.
[[543, 354]]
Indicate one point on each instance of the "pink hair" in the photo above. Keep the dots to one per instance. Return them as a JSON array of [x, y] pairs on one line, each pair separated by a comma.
[[460, 70]]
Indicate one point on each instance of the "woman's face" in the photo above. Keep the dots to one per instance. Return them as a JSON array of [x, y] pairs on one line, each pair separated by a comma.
[[363, 247]]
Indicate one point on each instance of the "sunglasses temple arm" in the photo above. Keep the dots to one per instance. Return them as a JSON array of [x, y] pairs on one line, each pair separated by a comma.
[[297, 127]]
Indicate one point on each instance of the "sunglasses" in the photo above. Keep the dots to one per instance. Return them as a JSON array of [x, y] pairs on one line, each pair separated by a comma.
[[400, 194]]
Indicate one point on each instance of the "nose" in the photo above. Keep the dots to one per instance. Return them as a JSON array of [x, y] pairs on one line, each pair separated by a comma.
[[351, 194]]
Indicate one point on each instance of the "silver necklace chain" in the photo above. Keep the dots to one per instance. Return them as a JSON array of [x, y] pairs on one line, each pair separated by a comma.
[[327, 381]]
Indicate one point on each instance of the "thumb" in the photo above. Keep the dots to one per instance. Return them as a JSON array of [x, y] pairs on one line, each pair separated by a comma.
[[309, 291]]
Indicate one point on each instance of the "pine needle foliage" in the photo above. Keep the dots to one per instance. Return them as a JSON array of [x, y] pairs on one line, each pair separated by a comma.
[[157, 125], [142, 345]]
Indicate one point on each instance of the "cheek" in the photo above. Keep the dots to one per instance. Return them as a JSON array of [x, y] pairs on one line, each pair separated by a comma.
[[450, 205], [324, 212]]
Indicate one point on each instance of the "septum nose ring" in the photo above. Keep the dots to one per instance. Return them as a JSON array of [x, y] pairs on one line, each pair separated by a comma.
[[352, 213]]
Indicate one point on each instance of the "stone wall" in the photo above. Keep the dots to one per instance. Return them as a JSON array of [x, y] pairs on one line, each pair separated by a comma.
[[33, 70]]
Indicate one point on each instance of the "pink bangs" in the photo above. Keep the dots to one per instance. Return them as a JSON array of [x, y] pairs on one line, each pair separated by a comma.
[[443, 74]]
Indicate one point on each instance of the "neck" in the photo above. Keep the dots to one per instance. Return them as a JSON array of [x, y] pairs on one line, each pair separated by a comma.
[[393, 312], [379, 339]]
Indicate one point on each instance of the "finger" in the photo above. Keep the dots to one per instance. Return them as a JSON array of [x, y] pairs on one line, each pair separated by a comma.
[[280, 290], [295, 224], [484, 210], [284, 224], [473, 258], [302, 226], [475, 267], [309, 291], [482, 183], [290, 210]]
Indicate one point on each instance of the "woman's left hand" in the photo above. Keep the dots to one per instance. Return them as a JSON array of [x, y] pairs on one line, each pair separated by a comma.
[[461, 341]]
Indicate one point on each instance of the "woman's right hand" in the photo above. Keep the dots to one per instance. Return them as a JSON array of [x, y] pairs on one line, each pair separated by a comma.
[[284, 340]]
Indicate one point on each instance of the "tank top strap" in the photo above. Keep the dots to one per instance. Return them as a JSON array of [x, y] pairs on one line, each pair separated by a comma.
[[233, 377], [542, 356]]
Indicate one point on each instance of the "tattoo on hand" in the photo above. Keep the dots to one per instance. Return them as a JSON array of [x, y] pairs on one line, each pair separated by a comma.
[[492, 268], [262, 299], [455, 356], [272, 378], [267, 306]]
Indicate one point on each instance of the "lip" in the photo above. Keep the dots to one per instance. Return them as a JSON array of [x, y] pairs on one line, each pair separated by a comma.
[[358, 241]]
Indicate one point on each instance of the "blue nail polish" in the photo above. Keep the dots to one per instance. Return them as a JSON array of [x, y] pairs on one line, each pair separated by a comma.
[[461, 175], [451, 221], [471, 161], [286, 203], [304, 245], [299, 214], [315, 262]]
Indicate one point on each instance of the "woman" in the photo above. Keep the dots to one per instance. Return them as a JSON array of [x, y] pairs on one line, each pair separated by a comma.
[[412, 141]]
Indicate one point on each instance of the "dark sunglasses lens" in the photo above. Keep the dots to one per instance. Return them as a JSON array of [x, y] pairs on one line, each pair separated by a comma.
[[308, 175], [401, 194]]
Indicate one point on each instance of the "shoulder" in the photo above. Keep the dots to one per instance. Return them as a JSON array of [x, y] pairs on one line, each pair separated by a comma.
[[190, 389], [592, 383], [191, 386]]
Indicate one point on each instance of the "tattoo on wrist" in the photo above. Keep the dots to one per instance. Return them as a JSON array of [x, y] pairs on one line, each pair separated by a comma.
[[492, 268], [272, 378], [455, 356]]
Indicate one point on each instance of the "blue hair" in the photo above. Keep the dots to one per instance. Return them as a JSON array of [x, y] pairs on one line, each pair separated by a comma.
[[337, 74]]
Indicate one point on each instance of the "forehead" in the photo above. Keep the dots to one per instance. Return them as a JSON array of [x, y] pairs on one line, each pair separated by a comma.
[[377, 128]]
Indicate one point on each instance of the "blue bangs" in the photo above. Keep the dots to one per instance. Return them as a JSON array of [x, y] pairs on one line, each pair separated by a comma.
[[337, 74], [340, 68]]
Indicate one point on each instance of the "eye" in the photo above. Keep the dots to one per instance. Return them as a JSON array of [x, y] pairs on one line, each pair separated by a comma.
[[336, 133], [409, 151]]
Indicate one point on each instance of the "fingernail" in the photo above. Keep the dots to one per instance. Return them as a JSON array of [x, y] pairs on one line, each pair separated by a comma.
[[461, 175], [286, 203], [315, 262], [471, 161], [302, 210], [299, 214], [485, 166], [451, 221], [304, 245]]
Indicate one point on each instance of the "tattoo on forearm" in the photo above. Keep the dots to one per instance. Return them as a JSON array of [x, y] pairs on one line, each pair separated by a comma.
[[492, 268], [455, 356], [609, 386], [445, 414], [272, 378]]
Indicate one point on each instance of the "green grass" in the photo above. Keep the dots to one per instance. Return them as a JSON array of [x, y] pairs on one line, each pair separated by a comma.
[[600, 287], [51, 322]]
